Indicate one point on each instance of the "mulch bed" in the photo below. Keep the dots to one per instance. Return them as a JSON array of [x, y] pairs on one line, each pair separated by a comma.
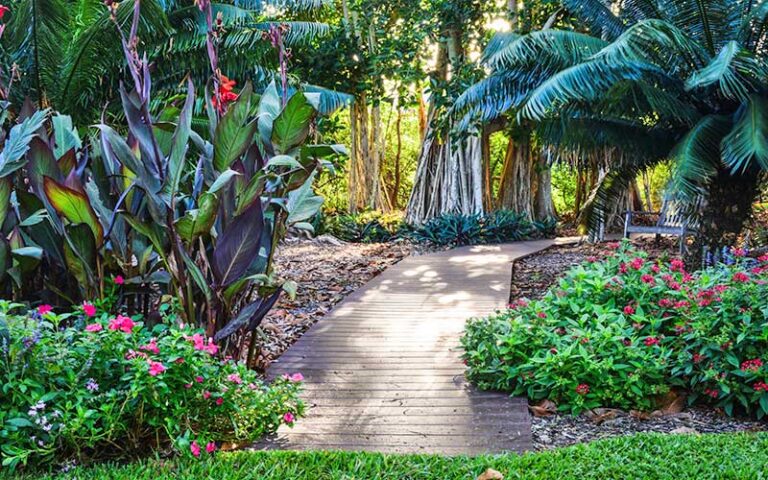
[[532, 276], [326, 270]]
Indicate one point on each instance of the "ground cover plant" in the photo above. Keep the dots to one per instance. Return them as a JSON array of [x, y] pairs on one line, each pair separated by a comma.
[[626, 331], [111, 385], [644, 456]]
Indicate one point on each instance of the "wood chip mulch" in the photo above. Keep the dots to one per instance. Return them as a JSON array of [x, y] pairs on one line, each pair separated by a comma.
[[326, 270]]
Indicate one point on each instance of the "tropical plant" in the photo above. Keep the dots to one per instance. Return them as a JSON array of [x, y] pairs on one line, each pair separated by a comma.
[[682, 79]]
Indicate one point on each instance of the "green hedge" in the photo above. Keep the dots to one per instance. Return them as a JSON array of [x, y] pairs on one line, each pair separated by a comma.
[[652, 456]]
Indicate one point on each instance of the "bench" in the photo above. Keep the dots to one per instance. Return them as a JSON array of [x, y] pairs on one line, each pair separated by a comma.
[[674, 219]]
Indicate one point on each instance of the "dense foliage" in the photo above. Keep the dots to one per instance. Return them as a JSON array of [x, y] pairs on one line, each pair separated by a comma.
[[111, 385], [662, 457], [623, 332]]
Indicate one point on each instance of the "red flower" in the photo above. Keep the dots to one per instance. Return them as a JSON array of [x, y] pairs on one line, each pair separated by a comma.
[[651, 341], [647, 278], [697, 357], [637, 263], [582, 389], [119, 280], [677, 265], [122, 323], [751, 365], [666, 303], [226, 94], [740, 277], [739, 252], [760, 387], [763, 258], [682, 304], [623, 268], [629, 310], [655, 268], [541, 315], [3, 11], [711, 393]]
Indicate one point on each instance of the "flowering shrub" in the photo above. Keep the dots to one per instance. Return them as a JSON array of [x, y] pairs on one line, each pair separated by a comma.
[[110, 386], [625, 331]]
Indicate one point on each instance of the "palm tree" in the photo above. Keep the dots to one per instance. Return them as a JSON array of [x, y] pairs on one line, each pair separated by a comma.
[[69, 54], [651, 80]]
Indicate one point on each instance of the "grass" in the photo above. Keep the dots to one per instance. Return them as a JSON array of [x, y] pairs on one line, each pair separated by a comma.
[[652, 456]]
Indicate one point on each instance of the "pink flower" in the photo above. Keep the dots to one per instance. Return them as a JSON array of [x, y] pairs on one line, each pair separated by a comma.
[[647, 278], [156, 368], [187, 386], [3, 11], [655, 268], [760, 387], [289, 418], [623, 268], [739, 252], [234, 378], [210, 447], [711, 393], [740, 277], [42, 309], [629, 310], [122, 323], [751, 365], [151, 346], [200, 344], [206, 395], [297, 377], [195, 448], [666, 303], [763, 258], [119, 280], [219, 401], [541, 315], [199, 379], [637, 263], [94, 327], [89, 309], [582, 389]]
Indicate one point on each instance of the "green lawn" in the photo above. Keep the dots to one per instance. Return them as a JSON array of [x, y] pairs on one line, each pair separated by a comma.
[[644, 456]]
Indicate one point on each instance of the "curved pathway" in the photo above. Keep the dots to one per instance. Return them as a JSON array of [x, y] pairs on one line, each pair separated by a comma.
[[383, 370]]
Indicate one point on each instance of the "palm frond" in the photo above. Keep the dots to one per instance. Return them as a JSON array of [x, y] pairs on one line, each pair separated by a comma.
[[35, 35], [585, 82], [498, 42], [748, 141], [736, 71], [697, 156], [597, 15], [639, 10], [658, 42], [713, 22], [546, 48]]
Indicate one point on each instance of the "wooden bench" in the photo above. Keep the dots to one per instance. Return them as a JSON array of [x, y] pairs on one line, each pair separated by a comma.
[[674, 219]]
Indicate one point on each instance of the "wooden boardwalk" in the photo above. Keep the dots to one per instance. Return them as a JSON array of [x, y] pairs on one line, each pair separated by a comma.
[[383, 370]]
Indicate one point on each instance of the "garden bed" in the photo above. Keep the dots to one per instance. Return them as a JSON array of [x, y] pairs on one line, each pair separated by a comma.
[[327, 271]]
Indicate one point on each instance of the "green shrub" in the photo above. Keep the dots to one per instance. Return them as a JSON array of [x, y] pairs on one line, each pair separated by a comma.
[[366, 227], [108, 386], [623, 332], [496, 227]]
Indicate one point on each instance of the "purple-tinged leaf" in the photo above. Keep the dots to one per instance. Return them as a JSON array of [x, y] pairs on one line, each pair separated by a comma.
[[238, 245]]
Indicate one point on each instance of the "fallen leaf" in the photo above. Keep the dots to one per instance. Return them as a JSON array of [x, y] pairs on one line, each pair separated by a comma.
[[638, 415], [545, 408], [491, 474], [675, 406], [684, 431]]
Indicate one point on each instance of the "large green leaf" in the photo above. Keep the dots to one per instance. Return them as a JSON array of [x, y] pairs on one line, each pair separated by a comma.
[[736, 71], [74, 206], [303, 204], [198, 221], [749, 138], [12, 156], [65, 135], [291, 127], [234, 133]]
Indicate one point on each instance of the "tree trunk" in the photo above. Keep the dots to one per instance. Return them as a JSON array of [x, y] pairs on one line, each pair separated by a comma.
[[728, 205], [543, 206], [394, 195], [516, 189]]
